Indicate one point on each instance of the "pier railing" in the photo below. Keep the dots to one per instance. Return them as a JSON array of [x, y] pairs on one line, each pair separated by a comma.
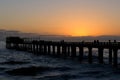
[[66, 49]]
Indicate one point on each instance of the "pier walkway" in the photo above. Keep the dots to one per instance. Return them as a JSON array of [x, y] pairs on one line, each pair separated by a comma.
[[66, 49]]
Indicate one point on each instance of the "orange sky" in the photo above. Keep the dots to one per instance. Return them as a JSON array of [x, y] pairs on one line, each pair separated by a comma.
[[70, 17]]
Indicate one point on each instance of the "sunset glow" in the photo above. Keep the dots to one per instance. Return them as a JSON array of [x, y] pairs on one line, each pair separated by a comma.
[[61, 17]]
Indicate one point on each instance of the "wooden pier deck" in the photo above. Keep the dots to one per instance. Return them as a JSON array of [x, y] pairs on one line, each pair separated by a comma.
[[66, 49]]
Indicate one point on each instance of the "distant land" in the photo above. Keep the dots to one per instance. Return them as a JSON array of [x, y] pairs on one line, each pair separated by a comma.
[[6, 33]]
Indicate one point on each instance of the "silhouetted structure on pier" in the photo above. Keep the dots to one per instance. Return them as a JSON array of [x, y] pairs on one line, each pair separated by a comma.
[[65, 49]]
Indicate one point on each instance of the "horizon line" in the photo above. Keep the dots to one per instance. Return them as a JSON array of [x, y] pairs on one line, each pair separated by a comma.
[[58, 34]]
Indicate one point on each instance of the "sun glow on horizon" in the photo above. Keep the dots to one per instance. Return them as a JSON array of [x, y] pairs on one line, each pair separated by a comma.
[[61, 17]]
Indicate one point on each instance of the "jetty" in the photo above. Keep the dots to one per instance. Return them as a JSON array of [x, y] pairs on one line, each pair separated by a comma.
[[66, 49]]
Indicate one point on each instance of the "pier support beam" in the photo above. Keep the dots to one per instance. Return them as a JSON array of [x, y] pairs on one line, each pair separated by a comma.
[[110, 56], [53, 47], [100, 55], [34, 46], [115, 57], [45, 49], [90, 55], [73, 51], [40, 49], [37, 48], [49, 50], [58, 50], [81, 53], [30, 47], [68, 51], [64, 51]]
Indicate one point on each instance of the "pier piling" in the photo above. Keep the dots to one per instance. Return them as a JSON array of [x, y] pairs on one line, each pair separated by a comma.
[[66, 49]]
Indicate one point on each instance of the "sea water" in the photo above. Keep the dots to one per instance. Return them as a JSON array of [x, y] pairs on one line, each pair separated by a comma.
[[17, 65]]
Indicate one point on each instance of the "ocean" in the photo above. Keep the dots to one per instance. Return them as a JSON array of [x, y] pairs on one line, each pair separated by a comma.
[[18, 65]]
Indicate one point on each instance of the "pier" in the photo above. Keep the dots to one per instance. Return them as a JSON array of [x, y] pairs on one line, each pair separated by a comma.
[[66, 49]]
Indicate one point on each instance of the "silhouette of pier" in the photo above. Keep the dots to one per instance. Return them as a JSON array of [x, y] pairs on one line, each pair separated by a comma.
[[66, 49]]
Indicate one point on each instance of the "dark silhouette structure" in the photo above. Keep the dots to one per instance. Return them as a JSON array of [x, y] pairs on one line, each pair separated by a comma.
[[65, 49]]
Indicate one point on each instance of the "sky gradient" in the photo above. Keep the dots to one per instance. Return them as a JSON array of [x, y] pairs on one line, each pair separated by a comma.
[[61, 17]]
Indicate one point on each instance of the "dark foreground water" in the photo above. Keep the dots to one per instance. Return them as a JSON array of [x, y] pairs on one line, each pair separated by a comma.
[[15, 65]]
